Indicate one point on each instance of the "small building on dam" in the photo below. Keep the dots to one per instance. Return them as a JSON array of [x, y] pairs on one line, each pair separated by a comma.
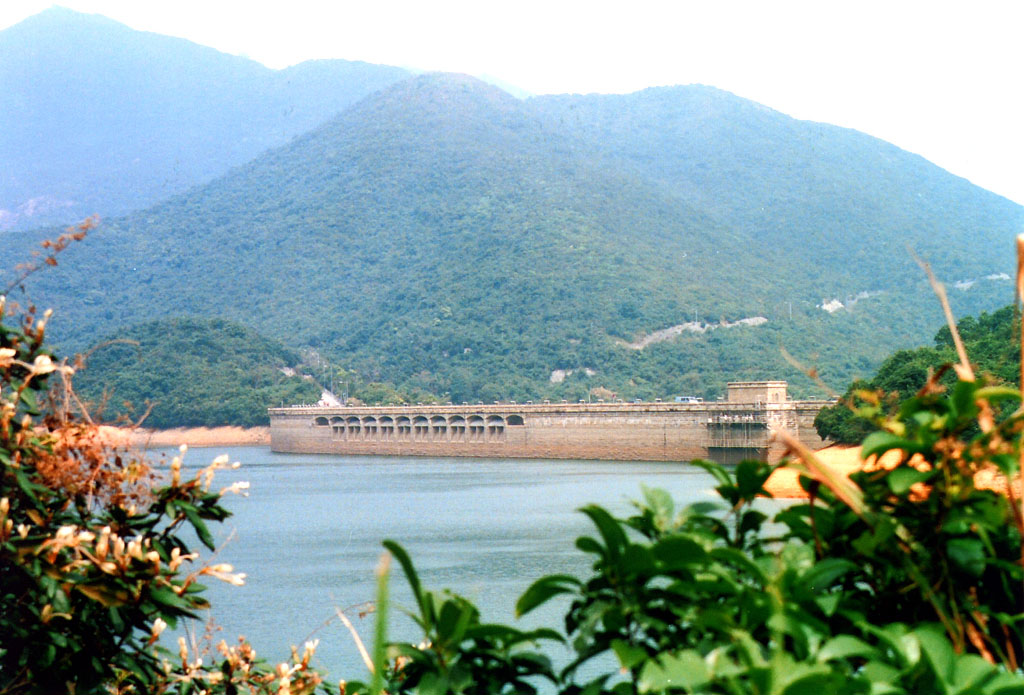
[[727, 431]]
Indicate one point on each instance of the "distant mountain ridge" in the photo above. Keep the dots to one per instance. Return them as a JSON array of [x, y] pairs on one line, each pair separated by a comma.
[[442, 235], [99, 118], [799, 186]]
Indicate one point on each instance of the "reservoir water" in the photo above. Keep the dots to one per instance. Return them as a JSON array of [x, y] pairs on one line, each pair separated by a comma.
[[308, 536]]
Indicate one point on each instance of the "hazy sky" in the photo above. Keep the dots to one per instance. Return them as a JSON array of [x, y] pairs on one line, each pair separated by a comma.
[[942, 79]]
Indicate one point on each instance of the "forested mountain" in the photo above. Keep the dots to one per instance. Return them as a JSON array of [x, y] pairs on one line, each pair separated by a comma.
[[191, 373], [442, 235], [804, 191], [98, 118]]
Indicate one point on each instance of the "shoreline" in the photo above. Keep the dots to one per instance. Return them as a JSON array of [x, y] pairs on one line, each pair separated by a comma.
[[841, 458], [783, 483], [194, 437]]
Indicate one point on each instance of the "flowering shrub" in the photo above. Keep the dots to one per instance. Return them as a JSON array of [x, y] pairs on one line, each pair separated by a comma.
[[94, 564]]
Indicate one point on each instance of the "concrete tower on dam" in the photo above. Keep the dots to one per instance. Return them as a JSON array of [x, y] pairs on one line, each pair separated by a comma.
[[727, 431]]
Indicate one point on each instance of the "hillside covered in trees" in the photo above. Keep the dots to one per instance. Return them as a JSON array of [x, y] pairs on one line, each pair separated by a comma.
[[191, 373], [444, 237], [992, 342]]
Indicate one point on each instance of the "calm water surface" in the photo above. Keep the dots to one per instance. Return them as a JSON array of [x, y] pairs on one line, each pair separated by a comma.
[[308, 536]]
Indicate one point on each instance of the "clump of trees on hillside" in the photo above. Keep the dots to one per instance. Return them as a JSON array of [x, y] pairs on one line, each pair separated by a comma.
[[992, 341]]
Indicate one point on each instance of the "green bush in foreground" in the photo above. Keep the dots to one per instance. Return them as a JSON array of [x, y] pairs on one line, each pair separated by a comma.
[[901, 580]]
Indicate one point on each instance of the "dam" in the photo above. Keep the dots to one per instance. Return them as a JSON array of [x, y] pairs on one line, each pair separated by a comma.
[[726, 431]]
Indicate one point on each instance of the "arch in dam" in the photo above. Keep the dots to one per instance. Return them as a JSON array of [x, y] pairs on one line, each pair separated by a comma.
[[403, 427], [495, 426], [438, 427], [457, 427], [422, 427]]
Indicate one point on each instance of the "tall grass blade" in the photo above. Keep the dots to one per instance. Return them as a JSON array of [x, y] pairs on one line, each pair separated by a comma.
[[963, 368], [380, 635]]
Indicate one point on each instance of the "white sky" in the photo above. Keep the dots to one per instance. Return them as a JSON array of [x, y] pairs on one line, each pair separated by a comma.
[[942, 79]]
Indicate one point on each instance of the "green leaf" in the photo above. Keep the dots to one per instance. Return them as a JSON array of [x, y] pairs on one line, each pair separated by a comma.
[[880, 673], [739, 559], [677, 552], [716, 470], [452, 621], [638, 560], [167, 597], [589, 545], [843, 647], [414, 580], [611, 531], [972, 671], [963, 399], [683, 671], [750, 478], [936, 648], [751, 521], [545, 588], [813, 683], [660, 504], [901, 479], [881, 442], [628, 654], [968, 554], [1005, 684], [828, 603], [997, 393], [200, 526], [28, 397]]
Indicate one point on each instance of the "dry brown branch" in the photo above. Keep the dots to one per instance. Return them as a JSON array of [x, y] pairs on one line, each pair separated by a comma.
[[963, 368], [355, 637], [841, 486], [52, 247], [809, 371]]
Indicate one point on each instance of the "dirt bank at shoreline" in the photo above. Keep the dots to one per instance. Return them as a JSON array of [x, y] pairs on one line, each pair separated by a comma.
[[192, 436], [843, 459], [785, 483]]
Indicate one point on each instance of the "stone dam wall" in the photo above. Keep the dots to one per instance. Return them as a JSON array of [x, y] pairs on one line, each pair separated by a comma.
[[726, 432]]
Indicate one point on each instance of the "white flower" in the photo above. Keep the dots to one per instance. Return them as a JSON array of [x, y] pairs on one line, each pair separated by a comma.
[[225, 573], [43, 365], [237, 488], [158, 626]]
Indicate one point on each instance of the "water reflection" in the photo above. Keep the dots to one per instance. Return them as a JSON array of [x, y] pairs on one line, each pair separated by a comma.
[[308, 535]]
